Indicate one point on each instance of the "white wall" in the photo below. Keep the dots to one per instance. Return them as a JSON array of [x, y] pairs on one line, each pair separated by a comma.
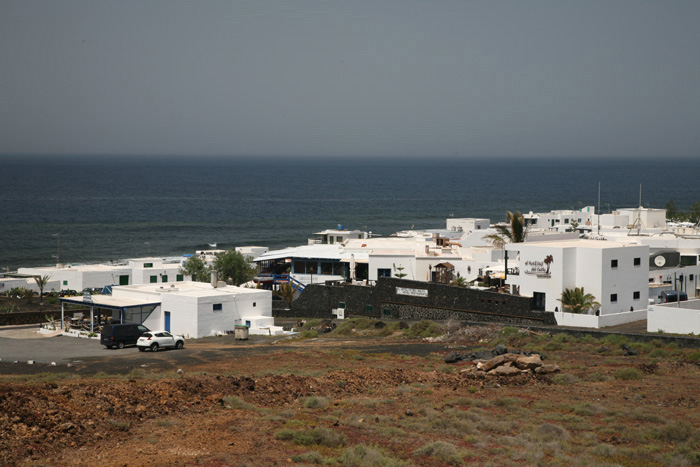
[[8, 283], [388, 261], [669, 317], [596, 322]]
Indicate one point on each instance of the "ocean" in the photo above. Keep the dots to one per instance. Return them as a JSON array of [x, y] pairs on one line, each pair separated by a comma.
[[95, 209]]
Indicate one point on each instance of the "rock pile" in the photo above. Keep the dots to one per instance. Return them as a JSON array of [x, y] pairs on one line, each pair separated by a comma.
[[501, 362]]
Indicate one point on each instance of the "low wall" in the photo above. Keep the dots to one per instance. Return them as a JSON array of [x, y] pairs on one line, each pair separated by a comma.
[[595, 322], [27, 317], [677, 320]]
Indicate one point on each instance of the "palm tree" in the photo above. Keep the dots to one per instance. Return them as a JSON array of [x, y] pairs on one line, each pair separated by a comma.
[[577, 301], [460, 281], [548, 260], [41, 281], [513, 232]]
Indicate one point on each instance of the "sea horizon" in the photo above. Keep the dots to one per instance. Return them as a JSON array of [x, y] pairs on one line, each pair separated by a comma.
[[114, 208]]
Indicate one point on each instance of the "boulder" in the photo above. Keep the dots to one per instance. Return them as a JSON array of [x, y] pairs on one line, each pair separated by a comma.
[[547, 369], [453, 357], [500, 349], [497, 361], [524, 362], [505, 370]]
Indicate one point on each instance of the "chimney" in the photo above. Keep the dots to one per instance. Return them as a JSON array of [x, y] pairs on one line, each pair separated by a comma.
[[214, 282]]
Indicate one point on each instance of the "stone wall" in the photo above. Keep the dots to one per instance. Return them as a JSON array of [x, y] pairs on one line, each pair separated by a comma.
[[413, 300], [27, 317]]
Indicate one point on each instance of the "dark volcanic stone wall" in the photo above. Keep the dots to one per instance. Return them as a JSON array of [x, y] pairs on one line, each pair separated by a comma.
[[442, 302], [27, 317]]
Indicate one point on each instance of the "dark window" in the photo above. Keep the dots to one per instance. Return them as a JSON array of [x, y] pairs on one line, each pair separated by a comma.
[[370, 308], [164, 278], [341, 304], [613, 263], [689, 260], [613, 298], [326, 268], [179, 278], [566, 221], [338, 269], [635, 295], [65, 282], [384, 272], [147, 265], [637, 261], [690, 277], [154, 279], [217, 307], [254, 304]]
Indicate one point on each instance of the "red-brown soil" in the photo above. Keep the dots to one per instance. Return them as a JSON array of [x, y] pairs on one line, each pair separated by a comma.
[[234, 411]]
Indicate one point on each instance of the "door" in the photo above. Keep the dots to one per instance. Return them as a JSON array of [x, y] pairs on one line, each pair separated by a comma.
[[539, 300], [167, 321]]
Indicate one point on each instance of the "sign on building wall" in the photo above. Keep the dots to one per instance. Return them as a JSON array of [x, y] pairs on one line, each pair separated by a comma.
[[412, 292], [539, 268]]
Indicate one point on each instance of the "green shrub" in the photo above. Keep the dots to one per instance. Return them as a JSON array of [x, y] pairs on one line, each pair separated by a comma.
[[314, 437], [446, 452], [616, 340], [361, 456], [628, 374], [316, 402], [237, 403], [309, 334], [565, 379], [550, 432], [509, 330], [312, 457], [349, 326], [676, 432], [597, 377], [424, 329], [659, 353], [694, 357]]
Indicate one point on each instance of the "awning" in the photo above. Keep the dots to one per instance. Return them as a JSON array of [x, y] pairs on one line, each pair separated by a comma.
[[107, 301]]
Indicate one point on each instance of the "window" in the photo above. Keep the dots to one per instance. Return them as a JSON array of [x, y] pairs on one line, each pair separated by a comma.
[[179, 278], [154, 279], [689, 261], [147, 265], [339, 239], [370, 308], [331, 238], [65, 282], [384, 272], [254, 304], [637, 261], [164, 278], [613, 263], [691, 277], [613, 298], [326, 268], [305, 267], [635, 295], [338, 269], [566, 221], [217, 307], [341, 305]]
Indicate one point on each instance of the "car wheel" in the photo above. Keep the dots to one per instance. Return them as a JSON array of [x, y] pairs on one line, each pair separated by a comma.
[[120, 345], [142, 349], [154, 347], [179, 345]]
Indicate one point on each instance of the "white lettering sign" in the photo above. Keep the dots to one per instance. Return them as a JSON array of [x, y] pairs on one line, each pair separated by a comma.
[[411, 292]]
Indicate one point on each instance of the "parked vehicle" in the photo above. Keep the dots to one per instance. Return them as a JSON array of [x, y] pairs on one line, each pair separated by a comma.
[[155, 340], [672, 296], [119, 335]]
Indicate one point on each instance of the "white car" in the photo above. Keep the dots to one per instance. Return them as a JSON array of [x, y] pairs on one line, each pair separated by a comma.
[[155, 340]]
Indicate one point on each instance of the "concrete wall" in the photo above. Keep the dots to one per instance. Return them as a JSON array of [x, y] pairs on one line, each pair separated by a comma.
[[669, 317], [595, 322]]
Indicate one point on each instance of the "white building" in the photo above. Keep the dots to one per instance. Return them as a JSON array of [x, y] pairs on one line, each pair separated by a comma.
[[194, 309], [131, 272], [616, 274]]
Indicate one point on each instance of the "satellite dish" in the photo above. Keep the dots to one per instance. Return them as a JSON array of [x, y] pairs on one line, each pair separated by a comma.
[[659, 261]]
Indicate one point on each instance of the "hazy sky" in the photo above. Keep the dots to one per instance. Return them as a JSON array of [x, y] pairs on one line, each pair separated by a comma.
[[331, 78]]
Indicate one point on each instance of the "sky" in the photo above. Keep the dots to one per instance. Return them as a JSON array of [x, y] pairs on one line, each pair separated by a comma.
[[328, 79]]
